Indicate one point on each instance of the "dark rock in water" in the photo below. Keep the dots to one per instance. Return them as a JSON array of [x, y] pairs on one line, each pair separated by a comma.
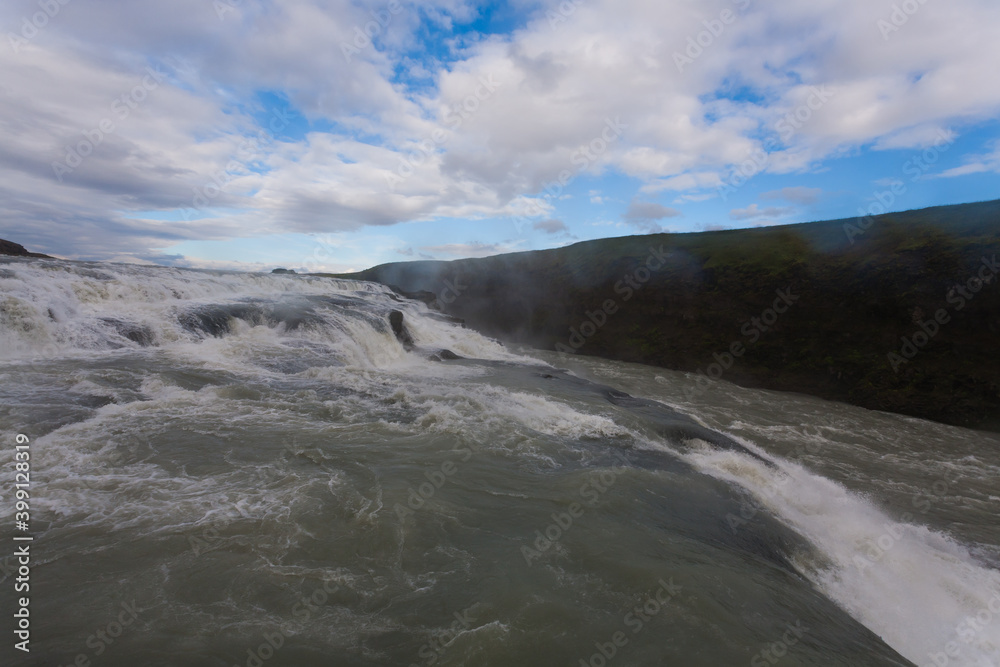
[[399, 329], [664, 420], [675, 426], [450, 319], [284, 271], [18, 250], [448, 354], [215, 320], [419, 295], [137, 333]]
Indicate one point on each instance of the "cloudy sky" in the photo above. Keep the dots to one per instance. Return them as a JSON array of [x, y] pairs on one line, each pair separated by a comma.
[[336, 135]]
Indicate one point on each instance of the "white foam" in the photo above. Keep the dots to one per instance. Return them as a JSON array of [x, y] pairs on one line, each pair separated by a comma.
[[914, 587], [52, 310]]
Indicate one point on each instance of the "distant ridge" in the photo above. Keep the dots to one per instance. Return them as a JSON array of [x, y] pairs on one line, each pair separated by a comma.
[[848, 292], [18, 250]]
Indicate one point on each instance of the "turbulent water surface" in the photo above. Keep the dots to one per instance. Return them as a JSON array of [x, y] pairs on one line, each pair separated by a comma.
[[244, 469]]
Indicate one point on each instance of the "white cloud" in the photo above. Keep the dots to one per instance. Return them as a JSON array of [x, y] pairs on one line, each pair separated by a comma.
[[471, 249], [922, 136], [639, 211], [551, 226], [597, 93], [976, 164], [797, 194], [753, 211]]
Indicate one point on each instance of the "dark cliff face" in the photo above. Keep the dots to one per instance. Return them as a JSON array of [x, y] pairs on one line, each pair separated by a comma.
[[898, 312], [18, 250]]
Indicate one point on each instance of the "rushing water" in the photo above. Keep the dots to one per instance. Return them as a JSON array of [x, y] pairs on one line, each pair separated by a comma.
[[245, 469]]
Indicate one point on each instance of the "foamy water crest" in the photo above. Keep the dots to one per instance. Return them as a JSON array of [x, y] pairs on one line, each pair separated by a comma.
[[918, 589]]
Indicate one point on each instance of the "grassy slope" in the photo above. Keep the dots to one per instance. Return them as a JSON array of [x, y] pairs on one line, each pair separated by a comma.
[[855, 303]]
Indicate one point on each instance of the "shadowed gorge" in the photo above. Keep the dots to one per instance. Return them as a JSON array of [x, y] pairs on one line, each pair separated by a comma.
[[853, 289]]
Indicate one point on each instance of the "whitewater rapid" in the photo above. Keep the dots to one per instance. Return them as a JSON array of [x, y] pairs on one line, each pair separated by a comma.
[[895, 529]]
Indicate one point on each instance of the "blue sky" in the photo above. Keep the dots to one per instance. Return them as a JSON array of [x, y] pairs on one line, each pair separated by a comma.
[[255, 134]]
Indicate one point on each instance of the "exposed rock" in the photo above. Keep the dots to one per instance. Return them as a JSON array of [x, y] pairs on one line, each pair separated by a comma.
[[417, 295], [137, 333], [18, 250], [399, 329]]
